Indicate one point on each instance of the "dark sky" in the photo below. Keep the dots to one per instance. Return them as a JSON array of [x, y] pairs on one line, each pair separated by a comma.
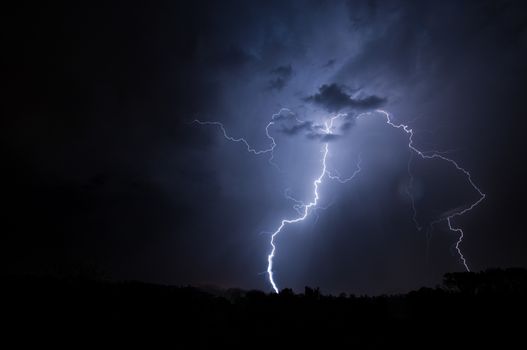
[[101, 166]]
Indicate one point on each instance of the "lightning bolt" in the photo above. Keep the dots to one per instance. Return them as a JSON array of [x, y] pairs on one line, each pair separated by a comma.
[[435, 155], [303, 215], [304, 209]]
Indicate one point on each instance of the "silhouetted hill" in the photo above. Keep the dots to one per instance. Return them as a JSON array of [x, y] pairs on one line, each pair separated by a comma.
[[470, 310]]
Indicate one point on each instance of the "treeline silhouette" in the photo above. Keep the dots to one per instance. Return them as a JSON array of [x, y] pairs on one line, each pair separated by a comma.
[[470, 310]]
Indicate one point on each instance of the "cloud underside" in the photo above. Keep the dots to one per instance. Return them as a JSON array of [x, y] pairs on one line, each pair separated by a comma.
[[334, 98], [291, 127]]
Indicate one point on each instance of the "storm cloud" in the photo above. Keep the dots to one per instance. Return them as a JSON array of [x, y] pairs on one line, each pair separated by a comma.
[[292, 126], [334, 98], [297, 127]]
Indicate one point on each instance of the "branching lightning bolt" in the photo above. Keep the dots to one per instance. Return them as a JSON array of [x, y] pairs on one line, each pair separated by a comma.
[[304, 209], [436, 155], [303, 215]]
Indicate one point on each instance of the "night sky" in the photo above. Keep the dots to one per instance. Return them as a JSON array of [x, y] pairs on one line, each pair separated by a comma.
[[102, 166]]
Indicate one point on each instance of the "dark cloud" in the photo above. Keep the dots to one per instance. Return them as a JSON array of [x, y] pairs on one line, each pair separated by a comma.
[[299, 127], [311, 130], [323, 137], [281, 76], [333, 98]]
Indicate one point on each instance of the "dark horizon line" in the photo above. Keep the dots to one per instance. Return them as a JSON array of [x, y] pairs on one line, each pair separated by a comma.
[[228, 292]]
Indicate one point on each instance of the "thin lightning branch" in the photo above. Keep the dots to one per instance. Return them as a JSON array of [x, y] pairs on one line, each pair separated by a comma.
[[428, 155], [461, 234], [299, 204], [337, 176], [251, 149]]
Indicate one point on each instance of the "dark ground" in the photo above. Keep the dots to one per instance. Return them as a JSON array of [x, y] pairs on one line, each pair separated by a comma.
[[469, 310]]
